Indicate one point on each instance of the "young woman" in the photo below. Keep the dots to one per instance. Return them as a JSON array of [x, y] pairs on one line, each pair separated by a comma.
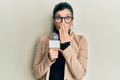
[[70, 61]]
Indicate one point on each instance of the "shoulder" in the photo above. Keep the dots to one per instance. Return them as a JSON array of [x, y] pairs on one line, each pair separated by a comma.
[[80, 38], [44, 38]]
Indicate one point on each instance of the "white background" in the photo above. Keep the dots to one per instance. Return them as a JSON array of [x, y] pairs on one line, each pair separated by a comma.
[[23, 21]]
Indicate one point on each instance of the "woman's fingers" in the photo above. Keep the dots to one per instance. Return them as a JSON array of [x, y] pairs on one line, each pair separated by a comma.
[[53, 53], [64, 35]]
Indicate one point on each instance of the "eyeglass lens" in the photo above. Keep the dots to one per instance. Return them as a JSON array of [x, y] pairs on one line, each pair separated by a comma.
[[67, 19]]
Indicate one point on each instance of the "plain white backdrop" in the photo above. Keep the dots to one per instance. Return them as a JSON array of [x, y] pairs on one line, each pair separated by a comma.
[[23, 21]]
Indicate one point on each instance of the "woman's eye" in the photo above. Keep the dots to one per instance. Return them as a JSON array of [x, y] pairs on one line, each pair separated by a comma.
[[68, 17], [58, 17]]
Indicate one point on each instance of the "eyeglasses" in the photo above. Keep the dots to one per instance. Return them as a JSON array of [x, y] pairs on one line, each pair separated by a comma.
[[67, 19]]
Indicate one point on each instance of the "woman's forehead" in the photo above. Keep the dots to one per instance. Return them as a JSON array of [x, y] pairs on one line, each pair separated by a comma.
[[64, 12]]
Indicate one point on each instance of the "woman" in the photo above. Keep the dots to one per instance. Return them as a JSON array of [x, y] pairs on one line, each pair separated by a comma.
[[70, 61]]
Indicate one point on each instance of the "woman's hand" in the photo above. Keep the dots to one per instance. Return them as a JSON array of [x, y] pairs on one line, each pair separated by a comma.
[[53, 54], [64, 35]]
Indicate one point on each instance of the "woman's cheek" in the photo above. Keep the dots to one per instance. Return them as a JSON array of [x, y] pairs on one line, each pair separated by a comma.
[[57, 26]]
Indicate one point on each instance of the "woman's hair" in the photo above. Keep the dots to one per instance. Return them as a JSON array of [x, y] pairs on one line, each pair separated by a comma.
[[61, 6]]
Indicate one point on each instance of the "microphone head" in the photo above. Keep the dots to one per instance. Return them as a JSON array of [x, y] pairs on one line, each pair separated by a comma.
[[54, 42], [54, 36]]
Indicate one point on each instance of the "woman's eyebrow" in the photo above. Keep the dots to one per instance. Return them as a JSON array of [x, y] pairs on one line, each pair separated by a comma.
[[65, 15]]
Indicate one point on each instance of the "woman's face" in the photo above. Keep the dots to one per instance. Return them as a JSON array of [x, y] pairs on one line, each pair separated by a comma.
[[63, 18]]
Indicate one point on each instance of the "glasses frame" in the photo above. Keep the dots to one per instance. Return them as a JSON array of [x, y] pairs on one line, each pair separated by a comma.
[[61, 18]]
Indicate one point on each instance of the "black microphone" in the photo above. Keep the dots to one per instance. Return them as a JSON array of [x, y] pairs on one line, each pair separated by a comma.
[[54, 42]]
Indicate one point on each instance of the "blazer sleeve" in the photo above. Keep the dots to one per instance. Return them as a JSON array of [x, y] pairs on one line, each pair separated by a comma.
[[77, 64], [41, 61]]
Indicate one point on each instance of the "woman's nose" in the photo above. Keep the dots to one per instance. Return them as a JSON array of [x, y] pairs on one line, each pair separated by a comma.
[[63, 21]]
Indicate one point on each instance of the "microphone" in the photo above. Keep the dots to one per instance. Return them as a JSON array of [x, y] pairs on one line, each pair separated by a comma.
[[54, 42]]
